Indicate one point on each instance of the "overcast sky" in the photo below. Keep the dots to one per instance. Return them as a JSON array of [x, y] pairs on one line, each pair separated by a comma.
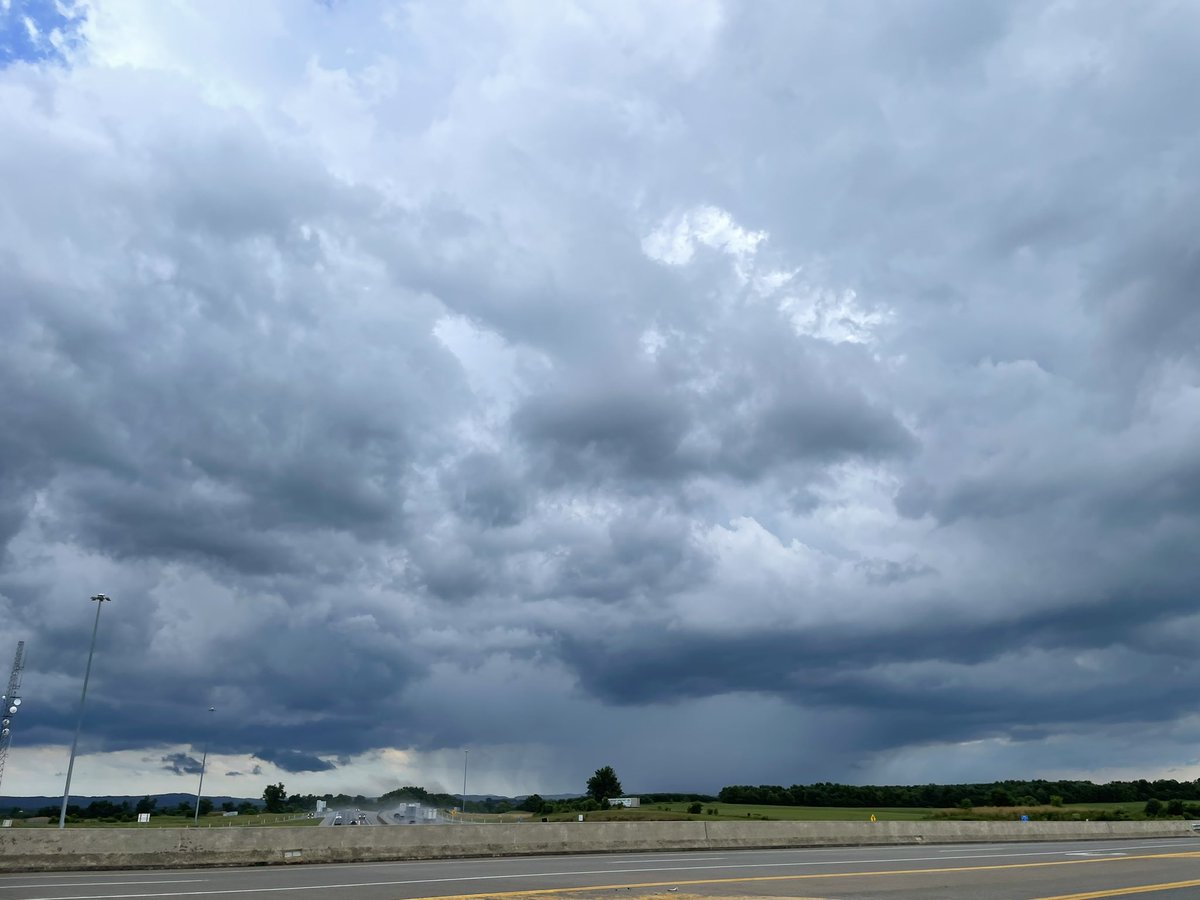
[[763, 392]]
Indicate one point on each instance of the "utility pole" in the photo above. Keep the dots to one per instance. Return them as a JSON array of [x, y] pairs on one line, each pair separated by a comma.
[[10, 705], [463, 818], [203, 766], [99, 600]]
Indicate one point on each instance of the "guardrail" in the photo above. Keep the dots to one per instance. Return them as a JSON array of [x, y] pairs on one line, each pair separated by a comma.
[[131, 848]]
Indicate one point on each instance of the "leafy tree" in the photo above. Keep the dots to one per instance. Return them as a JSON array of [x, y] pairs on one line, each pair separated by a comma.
[[146, 804], [604, 784], [1056, 800], [1002, 797], [206, 806], [1175, 808], [1153, 808], [228, 806], [409, 792], [696, 808], [274, 795], [533, 803]]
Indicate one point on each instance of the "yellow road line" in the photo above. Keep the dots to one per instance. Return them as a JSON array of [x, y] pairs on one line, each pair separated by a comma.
[[544, 892], [1123, 892]]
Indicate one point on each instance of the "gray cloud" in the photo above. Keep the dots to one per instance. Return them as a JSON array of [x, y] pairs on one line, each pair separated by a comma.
[[294, 761], [849, 384], [181, 764]]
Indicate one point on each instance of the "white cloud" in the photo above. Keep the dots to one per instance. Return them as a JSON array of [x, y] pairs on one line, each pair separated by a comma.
[[674, 241], [836, 317]]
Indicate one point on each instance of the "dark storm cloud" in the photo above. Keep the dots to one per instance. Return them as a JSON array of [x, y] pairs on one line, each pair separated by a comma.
[[740, 404], [482, 488], [849, 383], [181, 764], [294, 761]]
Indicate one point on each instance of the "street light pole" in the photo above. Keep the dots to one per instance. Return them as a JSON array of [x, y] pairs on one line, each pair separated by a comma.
[[99, 600], [203, 764], [463, 819]]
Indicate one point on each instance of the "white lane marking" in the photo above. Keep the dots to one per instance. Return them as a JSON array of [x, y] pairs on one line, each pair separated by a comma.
[[1185, 840], [10, 887], [626, 862], [972, 849], [512, 875]]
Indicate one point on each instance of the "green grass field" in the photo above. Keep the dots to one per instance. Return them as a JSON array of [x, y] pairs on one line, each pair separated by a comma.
[[1129, 806], [667, 812], [272, 821], [798, 813], [779, 814]]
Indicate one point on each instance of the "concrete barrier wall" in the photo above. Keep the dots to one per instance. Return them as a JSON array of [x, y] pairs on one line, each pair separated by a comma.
[[135, 848]]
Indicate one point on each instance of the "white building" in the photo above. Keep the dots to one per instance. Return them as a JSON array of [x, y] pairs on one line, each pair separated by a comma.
[[626, 801]]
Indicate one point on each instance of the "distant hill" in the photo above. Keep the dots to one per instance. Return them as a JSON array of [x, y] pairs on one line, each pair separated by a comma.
[[165, 801]]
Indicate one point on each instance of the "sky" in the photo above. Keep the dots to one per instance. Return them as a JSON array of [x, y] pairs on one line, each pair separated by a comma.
[[729, 393]]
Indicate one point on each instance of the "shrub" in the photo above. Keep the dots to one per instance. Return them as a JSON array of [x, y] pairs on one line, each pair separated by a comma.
[[696, 808]]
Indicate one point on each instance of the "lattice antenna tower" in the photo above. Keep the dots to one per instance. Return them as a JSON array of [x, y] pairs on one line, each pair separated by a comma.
[[11, 705]]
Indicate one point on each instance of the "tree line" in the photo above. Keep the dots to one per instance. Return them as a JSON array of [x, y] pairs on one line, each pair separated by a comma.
[[108, 811], [995, 793]]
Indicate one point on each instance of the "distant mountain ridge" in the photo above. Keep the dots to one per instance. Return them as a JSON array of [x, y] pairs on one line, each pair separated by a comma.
[[165, 801]]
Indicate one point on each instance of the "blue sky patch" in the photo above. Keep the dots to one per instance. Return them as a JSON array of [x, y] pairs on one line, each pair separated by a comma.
[[37, 30]]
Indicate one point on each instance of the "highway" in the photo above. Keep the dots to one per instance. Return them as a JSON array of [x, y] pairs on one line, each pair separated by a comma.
[[1168, 869], [350, 815]]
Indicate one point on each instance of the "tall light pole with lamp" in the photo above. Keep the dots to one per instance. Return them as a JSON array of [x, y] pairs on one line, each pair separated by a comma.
[[203, 764], [464, 808], [100, 600]]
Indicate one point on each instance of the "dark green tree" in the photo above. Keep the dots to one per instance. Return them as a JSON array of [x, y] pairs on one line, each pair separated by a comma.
[[206, 806], [604, 784], [274, 795], [1002, 797], [1153, 808], [533, 803], [146, 804]]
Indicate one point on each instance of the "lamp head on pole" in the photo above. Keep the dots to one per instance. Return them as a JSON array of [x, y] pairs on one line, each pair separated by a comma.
[[102, 597]]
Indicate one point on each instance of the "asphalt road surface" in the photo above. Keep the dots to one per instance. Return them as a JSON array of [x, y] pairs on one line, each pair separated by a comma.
[[1164, 869], [348, 815]]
